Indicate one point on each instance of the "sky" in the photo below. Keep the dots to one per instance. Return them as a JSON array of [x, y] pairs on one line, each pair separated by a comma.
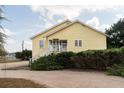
[[26, 21]]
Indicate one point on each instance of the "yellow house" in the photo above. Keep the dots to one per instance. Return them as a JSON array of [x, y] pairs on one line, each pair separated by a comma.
[[67, 36]]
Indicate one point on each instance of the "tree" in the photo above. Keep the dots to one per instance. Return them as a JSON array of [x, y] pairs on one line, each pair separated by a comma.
[[2, 35], [24, 55], [116, 35]]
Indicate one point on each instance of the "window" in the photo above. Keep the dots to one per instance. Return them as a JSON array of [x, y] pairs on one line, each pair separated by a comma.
[[78, 43], [41, 43]]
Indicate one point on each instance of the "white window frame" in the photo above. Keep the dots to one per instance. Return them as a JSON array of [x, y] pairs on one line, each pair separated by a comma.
[[78, 44], [41, 46]]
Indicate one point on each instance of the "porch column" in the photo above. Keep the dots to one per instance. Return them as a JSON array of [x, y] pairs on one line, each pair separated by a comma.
[[59, 45], [50, 45]]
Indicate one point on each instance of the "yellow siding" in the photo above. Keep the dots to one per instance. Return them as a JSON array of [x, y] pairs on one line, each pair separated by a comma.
[[36, 50], [91, 40]]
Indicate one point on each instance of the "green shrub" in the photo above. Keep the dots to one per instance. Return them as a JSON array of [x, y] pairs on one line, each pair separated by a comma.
[[45, 66], [117, 70], [24, 55], [114, 57], [97, 59], [64, 58], [90, 59], [122, 50], [46, 63]]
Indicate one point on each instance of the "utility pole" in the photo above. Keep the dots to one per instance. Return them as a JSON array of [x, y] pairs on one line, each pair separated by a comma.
[[22, 45]]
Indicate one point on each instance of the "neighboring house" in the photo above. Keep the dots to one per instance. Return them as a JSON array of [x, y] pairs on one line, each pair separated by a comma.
[[11, 56], [68, 36]]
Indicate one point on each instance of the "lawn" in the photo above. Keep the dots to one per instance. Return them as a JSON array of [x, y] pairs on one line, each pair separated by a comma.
[[18, 83]]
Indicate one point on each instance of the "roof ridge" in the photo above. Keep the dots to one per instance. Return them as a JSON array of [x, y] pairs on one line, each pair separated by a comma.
[[99, 31], [81, 24], [51, 28]]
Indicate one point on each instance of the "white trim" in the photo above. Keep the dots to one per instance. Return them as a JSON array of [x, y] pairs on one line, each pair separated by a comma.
[[100, 32], [50, 28], [68, 26]]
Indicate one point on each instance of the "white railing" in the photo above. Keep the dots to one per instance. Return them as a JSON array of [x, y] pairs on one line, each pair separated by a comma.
[[45, 53]]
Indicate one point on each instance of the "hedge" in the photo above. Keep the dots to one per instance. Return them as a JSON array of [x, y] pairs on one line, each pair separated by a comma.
[[90, 59], [46, 63], [116, 69], [64, 59], [98, 59]]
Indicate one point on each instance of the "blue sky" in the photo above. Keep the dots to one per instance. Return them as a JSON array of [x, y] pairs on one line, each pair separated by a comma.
[[26, 21]]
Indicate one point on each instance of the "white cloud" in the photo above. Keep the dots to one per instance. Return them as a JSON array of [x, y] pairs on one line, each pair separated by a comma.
[[48, 12], [60, 20], [68, 12], [48, 24], [10, 42], [71, 12], [27, 44], [120, 16], [94, 22], [64, 2], [104, 26], [13, 44], [7, 32]]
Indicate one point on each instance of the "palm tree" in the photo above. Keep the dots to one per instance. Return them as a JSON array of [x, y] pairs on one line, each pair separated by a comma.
[[2, 35]]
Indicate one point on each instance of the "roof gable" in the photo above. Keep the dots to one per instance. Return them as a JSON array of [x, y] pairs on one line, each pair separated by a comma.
[[79, 23], [69, 23], [66, 22]]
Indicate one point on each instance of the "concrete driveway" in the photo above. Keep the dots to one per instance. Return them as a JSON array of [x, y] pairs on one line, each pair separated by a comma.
[[13, 64], [67, 78]]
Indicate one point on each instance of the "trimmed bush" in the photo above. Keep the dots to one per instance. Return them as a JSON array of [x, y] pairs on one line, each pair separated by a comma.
[[46, 63], [98, 59], [90, 59], [46, 66], [117, 70], [64, 58]]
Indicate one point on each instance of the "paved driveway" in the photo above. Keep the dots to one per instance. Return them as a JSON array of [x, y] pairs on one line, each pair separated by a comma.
[[67, 78], [13, 64]]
